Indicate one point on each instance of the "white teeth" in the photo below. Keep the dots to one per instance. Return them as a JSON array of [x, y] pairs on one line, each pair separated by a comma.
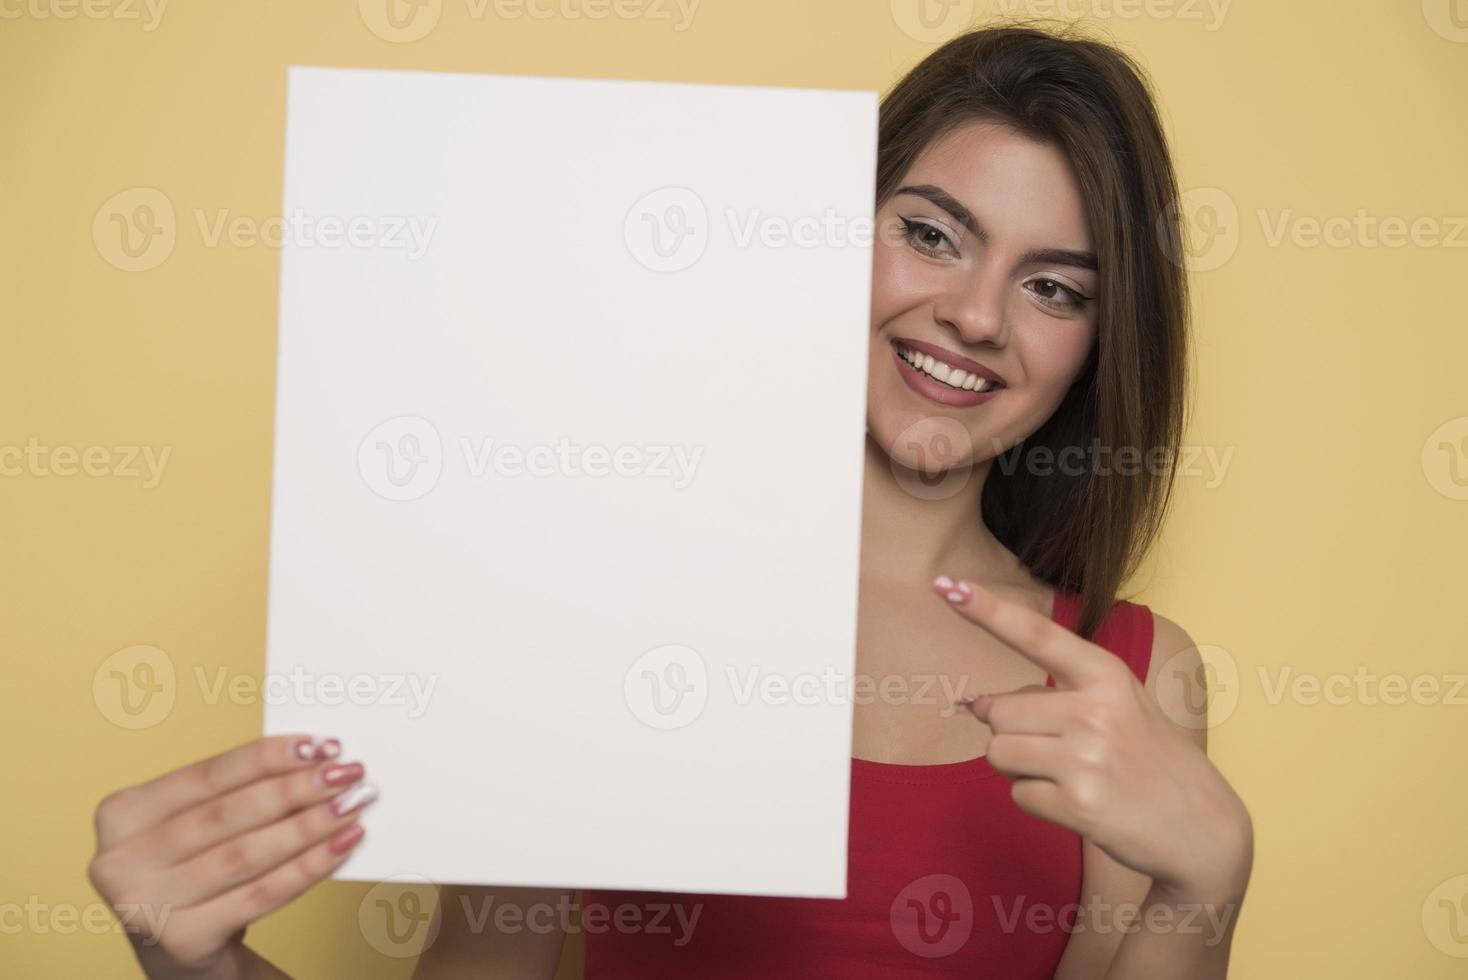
[[951, 376]]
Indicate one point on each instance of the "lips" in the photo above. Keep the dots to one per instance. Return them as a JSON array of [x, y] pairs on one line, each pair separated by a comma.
[[942, 376], [953, 360]]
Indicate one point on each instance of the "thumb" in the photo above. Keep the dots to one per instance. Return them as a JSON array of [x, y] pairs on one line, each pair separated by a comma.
[[981, 704]]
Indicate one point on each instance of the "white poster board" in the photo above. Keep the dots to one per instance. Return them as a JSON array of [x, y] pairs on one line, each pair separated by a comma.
[[569, 441]]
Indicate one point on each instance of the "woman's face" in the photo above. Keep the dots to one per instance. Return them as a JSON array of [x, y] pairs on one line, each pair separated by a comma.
[[984, 274]]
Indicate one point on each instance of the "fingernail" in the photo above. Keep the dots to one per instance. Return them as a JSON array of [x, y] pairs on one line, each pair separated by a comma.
[[955, 591], [346, 838], [318, 748], [338, 775], [949, 590], [348, 800], [965, 702]]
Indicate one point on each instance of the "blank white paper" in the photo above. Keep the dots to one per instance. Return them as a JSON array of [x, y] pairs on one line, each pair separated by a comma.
[[569, 438]]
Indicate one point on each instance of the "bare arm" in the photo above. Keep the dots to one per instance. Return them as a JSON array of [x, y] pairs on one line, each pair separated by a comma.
[[1130, 927]]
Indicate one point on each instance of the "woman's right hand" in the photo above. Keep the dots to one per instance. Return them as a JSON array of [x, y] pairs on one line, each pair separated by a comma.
[[189, 859]]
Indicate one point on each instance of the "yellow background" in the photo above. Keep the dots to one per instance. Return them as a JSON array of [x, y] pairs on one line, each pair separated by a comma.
[[1334, 540]]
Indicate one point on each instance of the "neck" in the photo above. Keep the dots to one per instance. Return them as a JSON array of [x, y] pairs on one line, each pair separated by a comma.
[[915, 529]]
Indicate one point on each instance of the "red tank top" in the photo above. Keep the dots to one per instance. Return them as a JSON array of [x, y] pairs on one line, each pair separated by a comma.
[[946, 877]]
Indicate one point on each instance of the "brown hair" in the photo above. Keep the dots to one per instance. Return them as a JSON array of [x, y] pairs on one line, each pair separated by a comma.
[[1085, 532]]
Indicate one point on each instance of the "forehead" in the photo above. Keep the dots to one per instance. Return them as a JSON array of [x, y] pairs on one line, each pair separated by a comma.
[[1021, 190]]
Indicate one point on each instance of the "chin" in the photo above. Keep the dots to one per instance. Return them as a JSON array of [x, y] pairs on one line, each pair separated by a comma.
[[927, 443]]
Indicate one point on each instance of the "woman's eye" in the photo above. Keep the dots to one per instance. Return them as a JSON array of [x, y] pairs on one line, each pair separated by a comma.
[[1057, 295], [926, 238]]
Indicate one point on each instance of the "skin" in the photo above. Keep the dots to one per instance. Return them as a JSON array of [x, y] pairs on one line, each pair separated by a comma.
[[978, 296], [1098, 754], [209, 848]]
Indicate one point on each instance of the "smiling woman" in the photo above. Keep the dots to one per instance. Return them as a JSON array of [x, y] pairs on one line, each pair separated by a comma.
[[1057, 148], [1056, 815], [1026, 307]]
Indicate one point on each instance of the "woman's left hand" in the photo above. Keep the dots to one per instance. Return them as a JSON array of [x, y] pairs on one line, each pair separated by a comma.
[[1097, 755]]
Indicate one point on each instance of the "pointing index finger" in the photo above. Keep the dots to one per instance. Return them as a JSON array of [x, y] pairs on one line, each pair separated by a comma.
[[1067, 657]]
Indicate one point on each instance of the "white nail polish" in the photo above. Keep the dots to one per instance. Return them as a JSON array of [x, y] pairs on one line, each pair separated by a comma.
[[330, 749], [944, 582], [956, 597], [350, 799], [306, 749]]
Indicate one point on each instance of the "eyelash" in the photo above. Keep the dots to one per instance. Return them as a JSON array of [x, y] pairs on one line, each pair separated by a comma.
[[1076, 301], [913, 228]]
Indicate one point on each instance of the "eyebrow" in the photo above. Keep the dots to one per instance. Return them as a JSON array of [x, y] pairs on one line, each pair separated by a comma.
[[965, 217]]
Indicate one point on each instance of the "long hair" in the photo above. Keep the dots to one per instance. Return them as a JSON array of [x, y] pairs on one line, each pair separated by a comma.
[[1082, 528]]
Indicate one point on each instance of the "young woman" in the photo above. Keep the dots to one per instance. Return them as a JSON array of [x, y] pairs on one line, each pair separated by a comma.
[[1025, 406]]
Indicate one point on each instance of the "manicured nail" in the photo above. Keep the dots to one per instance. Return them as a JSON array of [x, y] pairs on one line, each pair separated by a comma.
[[965, 702], [955, 591], [318, 748], [348, 800], [346, 838], [340, 775]]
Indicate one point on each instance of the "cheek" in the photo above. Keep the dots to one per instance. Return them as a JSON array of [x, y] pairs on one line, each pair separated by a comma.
[[1054, 354], [897, 284], [884, 285], [1052, 357]]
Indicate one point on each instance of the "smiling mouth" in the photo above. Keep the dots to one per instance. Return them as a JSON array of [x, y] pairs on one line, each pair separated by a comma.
[[949, 375]]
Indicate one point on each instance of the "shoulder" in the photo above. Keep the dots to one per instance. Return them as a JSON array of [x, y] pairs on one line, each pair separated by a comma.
[[1165, 661], [1162, 656], [1129, 630], [1176, 679], [1152, 644], [1169, 640]]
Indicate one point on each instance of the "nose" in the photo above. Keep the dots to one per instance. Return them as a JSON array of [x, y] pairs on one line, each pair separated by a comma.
[[974, 307]]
